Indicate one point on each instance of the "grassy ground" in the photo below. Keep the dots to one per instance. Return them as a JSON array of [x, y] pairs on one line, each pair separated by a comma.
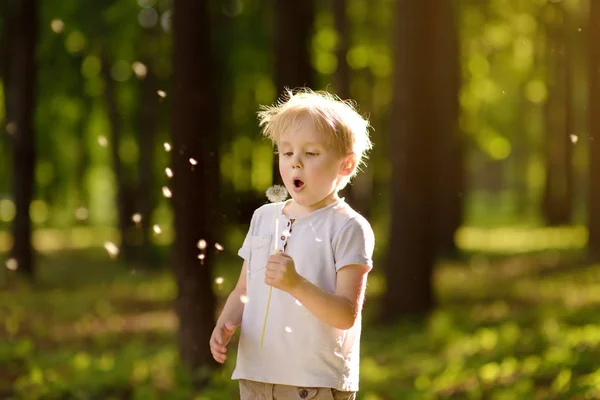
[[522, 327]]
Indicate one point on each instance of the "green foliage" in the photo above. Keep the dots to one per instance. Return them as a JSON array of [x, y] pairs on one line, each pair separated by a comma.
[[518, 328]]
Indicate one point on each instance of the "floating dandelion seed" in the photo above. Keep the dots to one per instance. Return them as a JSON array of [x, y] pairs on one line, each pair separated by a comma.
[[244, 299], [11, 128], [201, 257], [167, 192], [136, 218], [218, 247], [57, 25], [169, 172], [81, 214], [275, 194], [161, 93], [157, 229], [219, 280], [139, 69], [167, 146], [102, 141], [298, 303], [193, 161], [288, 329], [12, 264], [112, 249], [574, 139], [201, 244]]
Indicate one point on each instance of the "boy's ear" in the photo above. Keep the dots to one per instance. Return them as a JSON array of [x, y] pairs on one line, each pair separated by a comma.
[[348, 165]]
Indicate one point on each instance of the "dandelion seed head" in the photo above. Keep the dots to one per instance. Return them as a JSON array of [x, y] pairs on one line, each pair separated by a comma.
[[276, 193]]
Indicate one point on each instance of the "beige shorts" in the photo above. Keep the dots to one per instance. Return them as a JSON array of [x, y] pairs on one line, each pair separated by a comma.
[[251, 390]]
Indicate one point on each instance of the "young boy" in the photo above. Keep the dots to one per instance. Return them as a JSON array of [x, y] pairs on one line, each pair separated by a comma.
[[312, 334]]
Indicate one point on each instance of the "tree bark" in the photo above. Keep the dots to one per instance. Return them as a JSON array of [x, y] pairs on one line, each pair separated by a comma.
[[293, 31], [19, 85], [195, 124], [594, 118], [411, 248], [449, 143]]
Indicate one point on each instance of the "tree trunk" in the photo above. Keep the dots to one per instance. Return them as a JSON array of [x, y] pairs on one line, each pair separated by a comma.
[[19, 85], [411, 248], [594, 115], [293, 31], [558, 190], [195, 124], [449, 156], [125, 193]]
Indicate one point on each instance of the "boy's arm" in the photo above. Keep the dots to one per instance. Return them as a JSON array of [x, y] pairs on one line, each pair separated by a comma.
[[339, 310]]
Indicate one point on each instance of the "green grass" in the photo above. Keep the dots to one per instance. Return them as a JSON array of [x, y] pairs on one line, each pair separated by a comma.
[[523, 327]]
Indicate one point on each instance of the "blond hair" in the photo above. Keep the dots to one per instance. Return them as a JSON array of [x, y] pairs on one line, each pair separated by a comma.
[[346, 131]]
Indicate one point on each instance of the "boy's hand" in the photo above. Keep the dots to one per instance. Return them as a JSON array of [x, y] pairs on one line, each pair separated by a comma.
[[281, 272], [219, 340]]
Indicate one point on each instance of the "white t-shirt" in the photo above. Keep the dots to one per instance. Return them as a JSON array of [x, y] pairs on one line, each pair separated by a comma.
[[299, 349]]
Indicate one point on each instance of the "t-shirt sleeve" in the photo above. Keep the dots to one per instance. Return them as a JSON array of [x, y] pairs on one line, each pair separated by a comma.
[[354, 243], [244, 251]]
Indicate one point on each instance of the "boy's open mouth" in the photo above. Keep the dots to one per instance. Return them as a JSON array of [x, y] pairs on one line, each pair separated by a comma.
[[298, 183]]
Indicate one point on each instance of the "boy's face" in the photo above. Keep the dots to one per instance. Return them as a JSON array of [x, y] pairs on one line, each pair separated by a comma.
[[309, 168]]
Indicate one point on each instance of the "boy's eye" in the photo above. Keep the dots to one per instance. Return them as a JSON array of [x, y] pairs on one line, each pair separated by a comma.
[[311, 153], [287, 153]]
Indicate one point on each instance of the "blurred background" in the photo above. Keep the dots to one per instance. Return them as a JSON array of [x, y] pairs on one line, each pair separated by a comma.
[[131, 163]]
